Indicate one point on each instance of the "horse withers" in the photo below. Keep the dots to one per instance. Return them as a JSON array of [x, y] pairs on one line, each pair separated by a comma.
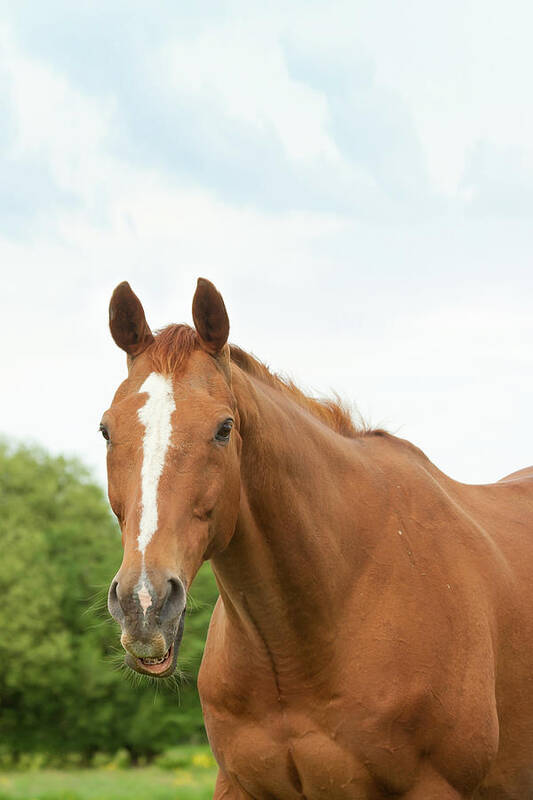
[[374, 632]]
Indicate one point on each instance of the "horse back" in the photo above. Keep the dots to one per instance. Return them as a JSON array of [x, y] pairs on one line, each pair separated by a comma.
[[525, 474]]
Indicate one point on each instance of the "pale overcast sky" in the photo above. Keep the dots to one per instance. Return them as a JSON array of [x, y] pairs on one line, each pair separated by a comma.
[[356, 178]]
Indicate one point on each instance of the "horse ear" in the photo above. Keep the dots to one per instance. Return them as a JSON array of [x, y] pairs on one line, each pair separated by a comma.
[[127, 322], [210, 317]]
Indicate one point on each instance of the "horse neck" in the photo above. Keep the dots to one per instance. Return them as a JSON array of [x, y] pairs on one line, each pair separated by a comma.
[[291, 559]]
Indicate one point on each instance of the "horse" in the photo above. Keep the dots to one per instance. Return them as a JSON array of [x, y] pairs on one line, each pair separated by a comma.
[[373, 637]]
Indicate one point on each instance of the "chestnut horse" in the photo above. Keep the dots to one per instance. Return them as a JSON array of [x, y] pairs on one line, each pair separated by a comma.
[[374, 632]]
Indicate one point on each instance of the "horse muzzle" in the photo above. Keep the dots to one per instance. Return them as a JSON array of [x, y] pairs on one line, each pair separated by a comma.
[[146, 658], [152, 622]]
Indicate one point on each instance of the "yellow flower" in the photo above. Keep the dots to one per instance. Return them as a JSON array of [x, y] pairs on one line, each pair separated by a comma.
[[202, 760]]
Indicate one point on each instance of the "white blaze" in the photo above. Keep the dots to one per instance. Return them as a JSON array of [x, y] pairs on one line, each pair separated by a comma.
[[145, 598], [155, 416]]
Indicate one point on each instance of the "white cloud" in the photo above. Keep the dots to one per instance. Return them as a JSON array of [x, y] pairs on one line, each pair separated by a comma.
[[242, 66], [52, 120], [464, 70], [425, 323]]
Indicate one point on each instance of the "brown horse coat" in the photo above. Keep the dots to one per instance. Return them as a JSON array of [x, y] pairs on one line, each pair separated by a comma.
[[374, 632]]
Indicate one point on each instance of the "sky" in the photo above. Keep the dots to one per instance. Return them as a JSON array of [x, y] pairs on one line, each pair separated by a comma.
[[355, 177]]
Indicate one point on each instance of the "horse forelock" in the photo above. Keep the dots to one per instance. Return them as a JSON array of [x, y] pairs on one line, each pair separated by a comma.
[[172, 347]]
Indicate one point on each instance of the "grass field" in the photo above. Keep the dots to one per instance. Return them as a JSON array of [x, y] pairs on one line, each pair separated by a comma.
[[144, 783]]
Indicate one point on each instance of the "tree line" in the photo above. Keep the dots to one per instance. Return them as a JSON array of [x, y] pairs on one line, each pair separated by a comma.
[[63, 687]]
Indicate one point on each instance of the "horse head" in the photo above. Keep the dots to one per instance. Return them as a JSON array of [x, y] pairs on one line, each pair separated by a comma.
[[173, 464]]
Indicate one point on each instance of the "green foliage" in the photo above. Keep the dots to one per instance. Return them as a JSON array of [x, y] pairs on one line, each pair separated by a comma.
[[59, 688]]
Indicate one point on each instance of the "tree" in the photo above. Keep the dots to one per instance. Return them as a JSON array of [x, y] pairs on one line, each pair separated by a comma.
[[60, 689]]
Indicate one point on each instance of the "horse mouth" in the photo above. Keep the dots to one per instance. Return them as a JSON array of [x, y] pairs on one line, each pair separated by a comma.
[[160, 667], [157, 665]]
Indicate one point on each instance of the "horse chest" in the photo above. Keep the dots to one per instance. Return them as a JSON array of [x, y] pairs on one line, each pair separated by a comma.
[[337, 747], [362, 733], [290, 765]]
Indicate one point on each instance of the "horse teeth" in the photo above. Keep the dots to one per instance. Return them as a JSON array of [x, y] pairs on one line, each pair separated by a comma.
[[153, 661]]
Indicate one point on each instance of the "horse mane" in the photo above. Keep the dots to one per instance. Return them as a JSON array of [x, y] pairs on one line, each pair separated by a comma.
[[331, 412], [174, 344]]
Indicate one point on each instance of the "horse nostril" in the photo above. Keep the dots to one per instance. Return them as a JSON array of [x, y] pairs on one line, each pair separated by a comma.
[[175, 600], [113, 602]]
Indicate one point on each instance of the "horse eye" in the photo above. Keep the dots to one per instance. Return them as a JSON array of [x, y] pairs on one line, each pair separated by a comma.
[[224, 430], [105, 433]]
